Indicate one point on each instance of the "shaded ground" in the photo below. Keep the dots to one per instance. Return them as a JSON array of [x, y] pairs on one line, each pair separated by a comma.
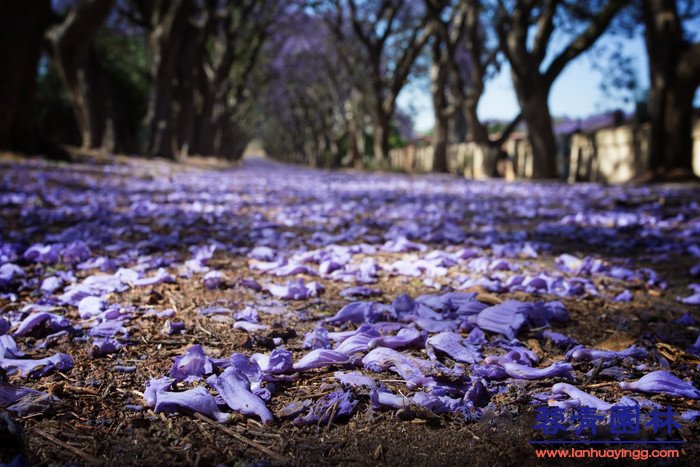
[[147, 215]]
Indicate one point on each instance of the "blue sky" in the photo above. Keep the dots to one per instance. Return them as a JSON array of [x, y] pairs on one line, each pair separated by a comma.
[[576, 93]]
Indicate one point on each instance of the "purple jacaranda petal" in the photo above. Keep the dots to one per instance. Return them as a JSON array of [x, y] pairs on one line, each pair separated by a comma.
[[295, 289], [317, 339], [9, 393], [173, 327], [560, 340], [355, 380], [686, 320], [583, 354], [90, 306], [104, 346], [583, 399], [234, 388], [416, 311], [319, 358], [193, 400], [328, 266], [382, 359], [278, 362], [360, 312], [359, 291], [37, 368], [624, 296], [40, 253], [432, 325], [541, 314], [662, 382], [8, 273], [42, 323], [32, 404], [506, 318], [155, 386], [402, 245], [517, 357], [691, 415], [251, 284], [161, 276], [51, 284], [693, 299], [518, 371], [403, 304], [292, 269], [294, 408], [9, 348], [453, 346], [476, 337], [4, 326], [262, 253], [213, 279], [338, 404], [406, 337], [489, 372], [438, 404], [75, 252], [247, 367], [477, 395], [109, 328], [359, 341], [383, 399], [460, 302], [194, 363], [215, 310], [249, 314], [250, 327]]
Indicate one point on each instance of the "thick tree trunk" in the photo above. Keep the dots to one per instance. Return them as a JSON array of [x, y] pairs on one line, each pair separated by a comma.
[[22, 26], [490, 154], [440, 140], [438, 85], [165, 37], [540, 132], [204, 127], [70, 44], [186, 72], [382, 128], [675, 75], [671, 114]]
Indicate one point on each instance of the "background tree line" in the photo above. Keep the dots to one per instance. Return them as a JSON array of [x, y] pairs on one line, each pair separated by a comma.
[[318, 80]]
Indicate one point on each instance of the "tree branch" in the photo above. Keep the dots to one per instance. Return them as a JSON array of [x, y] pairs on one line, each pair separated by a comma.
[[584, 40]]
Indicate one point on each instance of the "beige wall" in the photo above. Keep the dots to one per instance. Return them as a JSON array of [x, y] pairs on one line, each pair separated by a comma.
[[612, 155]]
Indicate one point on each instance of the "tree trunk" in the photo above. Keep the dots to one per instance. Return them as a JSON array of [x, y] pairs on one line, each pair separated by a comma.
[[490, 154], [186, 70], [71, 52], [440, 138], [165, 38], [671, 112], [438, 85], [382, 128], [540, 132], [675, 76], [353, 136], [21, 30]]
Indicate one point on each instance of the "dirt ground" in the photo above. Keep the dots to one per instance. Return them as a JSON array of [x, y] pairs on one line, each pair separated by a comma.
[[90, 425]]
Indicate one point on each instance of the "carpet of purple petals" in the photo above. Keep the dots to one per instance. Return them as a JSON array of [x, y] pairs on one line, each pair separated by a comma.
[[295, 306]]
